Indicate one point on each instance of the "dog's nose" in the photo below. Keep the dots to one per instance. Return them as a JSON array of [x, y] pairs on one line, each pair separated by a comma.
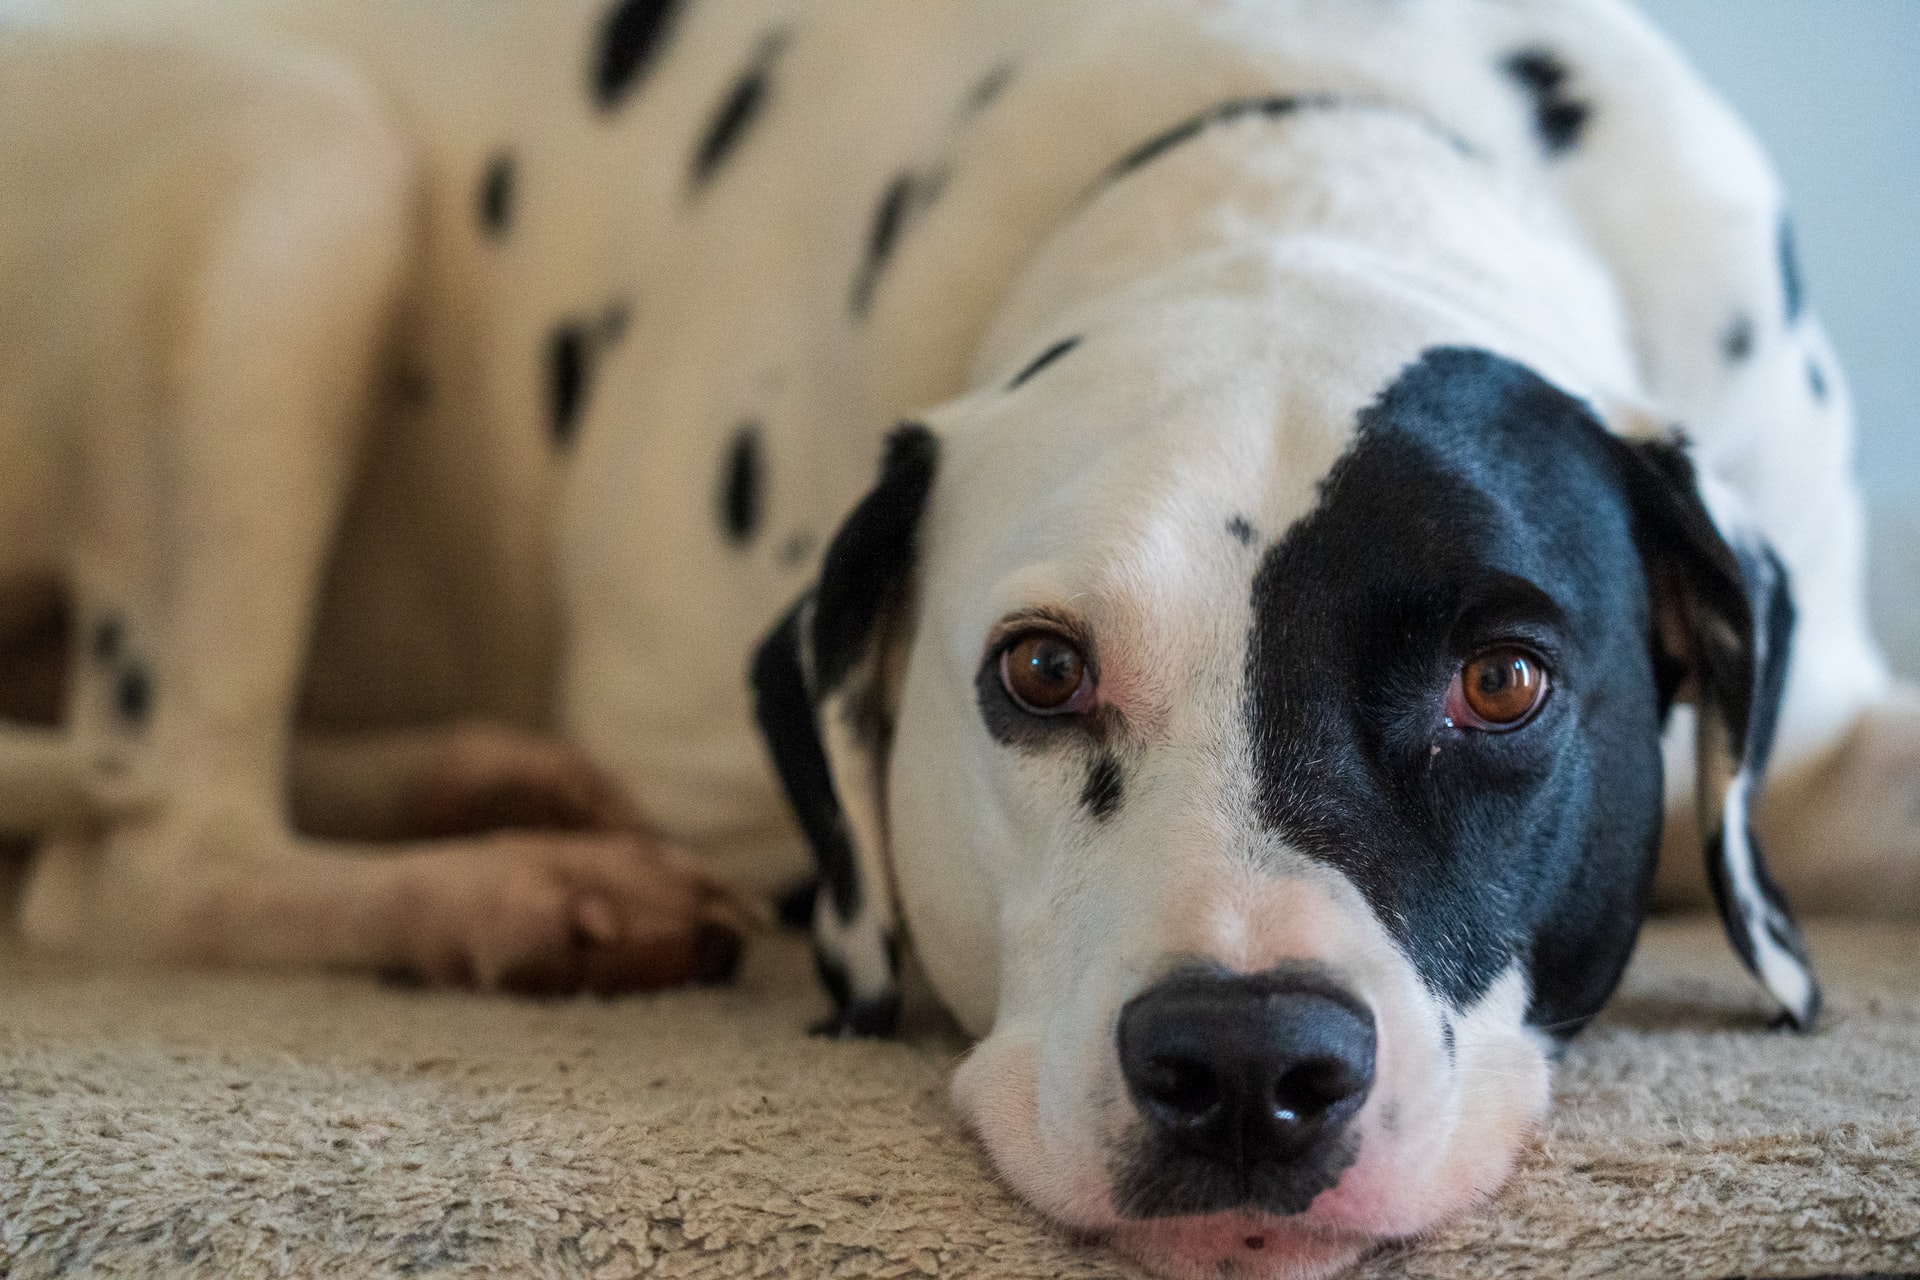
[[1246, 1069]]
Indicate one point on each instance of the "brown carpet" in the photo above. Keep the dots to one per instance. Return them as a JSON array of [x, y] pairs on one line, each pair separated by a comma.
[[159, 1125]]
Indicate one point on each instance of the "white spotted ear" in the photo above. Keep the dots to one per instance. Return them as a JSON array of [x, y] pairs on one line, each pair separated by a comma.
[[1724, 611], [826, 684]]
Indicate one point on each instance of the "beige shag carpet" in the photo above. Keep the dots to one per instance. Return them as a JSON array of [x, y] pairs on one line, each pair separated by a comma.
[[162, 1125]]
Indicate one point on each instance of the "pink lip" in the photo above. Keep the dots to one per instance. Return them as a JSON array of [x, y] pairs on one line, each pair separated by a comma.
[[1248, 1245]]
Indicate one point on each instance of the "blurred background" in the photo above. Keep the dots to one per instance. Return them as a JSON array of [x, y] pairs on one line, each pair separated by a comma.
[[1833, 89]]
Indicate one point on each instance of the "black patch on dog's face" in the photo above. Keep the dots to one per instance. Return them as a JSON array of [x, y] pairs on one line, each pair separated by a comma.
[[495, 205], [1042, 360], [740, 488], [569, 363], [630, 39], [1106, 787], [889, 218], [1793, 289], [1478, 508], [737, 112], [1240, 529], [1737, 342], [1559, 119]]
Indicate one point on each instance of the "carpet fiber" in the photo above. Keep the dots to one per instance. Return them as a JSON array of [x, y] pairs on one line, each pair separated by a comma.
[[156, 1125]]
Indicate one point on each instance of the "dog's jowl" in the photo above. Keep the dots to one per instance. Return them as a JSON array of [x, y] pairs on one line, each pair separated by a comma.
[[1373, 474]]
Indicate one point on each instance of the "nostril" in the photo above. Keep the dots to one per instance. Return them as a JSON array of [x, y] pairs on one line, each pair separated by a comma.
[[1185, 1089], [1308, 1090]]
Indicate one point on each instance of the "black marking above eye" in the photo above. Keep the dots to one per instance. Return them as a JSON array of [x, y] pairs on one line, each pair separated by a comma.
[[889, 217], [495, 204], [569, 365], [1737, 342], [1558, 118], [1106, 787], [741, 485], [631, 36], [737, 112], [1042, 360], [1793, 289]]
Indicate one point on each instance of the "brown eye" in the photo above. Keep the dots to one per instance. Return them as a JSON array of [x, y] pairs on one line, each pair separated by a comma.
[[1497, 690], [1046, 674]]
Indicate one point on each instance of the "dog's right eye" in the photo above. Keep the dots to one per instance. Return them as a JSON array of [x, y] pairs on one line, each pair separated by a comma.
[[1046, 674]]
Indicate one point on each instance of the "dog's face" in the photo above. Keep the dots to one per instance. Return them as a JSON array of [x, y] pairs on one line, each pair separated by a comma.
[[1261, 746]]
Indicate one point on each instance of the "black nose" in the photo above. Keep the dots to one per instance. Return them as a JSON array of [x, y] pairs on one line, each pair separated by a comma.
[[1246, 1069]]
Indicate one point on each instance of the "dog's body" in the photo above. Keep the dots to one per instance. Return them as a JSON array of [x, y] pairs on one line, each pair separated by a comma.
[[530, 354]]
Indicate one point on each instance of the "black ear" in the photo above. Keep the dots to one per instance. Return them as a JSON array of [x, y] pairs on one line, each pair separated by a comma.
[[825, 687], [1724, 628]]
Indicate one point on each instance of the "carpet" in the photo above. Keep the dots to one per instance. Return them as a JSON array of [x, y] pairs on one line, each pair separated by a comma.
[[158, 1124]]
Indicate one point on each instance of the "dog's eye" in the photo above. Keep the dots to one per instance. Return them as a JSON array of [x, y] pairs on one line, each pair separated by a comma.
[[1497, 691], [1046, 674]]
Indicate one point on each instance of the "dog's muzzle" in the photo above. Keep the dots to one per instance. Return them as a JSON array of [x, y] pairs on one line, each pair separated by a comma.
[[1247, 1085]]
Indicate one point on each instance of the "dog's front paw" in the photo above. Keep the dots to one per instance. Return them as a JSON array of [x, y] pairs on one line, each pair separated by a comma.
[[548, 914]]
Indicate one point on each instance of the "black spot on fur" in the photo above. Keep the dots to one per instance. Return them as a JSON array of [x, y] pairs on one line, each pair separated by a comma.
[[569, 365], [631, 37], [1241, 530], [109, 637], [133, 695], [737, 112], [883, 237], [1446, 1037], [1187, 130], [1793, 289], [1560, 120], [1044, 359], [496, 195], [1737, 342], [740, 490], [1816, 381], [1105, 788], [1269, 108], [987, 90]]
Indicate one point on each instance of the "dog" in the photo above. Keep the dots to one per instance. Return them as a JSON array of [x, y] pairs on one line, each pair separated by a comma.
[[1343, 442]]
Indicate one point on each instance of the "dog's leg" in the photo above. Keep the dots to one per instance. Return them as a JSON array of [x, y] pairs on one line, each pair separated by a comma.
[[203, 539]]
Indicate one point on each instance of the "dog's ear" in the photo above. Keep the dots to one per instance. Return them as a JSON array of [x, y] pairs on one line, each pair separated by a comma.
[[826, 684], [1723, 612]]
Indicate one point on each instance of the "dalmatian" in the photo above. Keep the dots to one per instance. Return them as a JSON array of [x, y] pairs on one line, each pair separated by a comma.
[[1353, 479]]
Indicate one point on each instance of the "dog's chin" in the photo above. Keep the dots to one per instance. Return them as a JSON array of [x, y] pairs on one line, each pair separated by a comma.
[[1250, 1245]]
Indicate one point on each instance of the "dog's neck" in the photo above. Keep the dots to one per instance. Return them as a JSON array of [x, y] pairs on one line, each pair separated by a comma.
[[1375, 189]]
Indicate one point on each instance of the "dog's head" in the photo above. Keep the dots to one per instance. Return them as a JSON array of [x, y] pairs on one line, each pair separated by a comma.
[[1260, 747]]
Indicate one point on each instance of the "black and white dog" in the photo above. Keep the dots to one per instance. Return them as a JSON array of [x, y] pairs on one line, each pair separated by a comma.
[[1243, 690]]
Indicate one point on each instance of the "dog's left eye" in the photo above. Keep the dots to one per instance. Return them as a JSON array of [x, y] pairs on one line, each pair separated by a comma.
[[1046, 674], [1497, 691]]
